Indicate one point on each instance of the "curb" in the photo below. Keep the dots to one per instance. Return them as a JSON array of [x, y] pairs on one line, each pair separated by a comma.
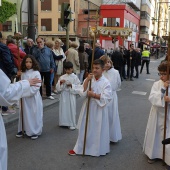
[[13, 118]]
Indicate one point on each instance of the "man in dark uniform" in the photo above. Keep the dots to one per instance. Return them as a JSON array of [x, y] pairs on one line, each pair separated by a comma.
[[131, 60]]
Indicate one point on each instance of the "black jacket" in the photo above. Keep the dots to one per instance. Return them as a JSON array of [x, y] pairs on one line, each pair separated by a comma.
[[117, 59]]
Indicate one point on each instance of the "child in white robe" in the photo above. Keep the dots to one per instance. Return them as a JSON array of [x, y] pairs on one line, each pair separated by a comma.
[[97, 138], [114, 122], [67, 104], [10, 94], [32, 106], [152, 146]]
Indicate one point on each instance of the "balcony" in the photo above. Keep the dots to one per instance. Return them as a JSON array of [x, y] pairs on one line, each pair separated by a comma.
[[144, 35], [144, 22]]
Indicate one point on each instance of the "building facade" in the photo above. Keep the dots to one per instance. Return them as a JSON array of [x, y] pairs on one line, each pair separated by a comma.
[[87, 11], [49, 19], [120, 15]]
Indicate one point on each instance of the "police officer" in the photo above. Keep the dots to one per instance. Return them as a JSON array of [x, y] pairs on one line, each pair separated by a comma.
[[145, 59]]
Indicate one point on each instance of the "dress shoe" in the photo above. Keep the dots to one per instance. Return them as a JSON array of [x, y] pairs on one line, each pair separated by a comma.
[[136, 77], [131, 79]]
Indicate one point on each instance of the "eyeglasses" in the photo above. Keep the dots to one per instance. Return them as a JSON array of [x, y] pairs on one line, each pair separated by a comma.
[[162, 74]]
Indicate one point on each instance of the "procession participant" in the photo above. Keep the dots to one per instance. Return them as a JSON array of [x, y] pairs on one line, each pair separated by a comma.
[[10, 94], [152, 146], [114, 78], [67, 103], [97, 139], [32, 106]]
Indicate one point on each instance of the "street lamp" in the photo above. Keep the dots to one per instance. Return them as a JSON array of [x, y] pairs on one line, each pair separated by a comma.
[[88, 19]]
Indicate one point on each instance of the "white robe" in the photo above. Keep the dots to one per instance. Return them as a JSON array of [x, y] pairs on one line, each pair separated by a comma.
[[97, 139], [32, 107], [153, 147], [9, 94], [114, 122], [67, 104]]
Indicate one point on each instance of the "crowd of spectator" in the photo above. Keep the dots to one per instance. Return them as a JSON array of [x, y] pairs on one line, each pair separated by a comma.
[[51, 56]]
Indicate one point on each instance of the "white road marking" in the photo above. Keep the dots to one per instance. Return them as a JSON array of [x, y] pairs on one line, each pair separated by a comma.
[[139, 92], [118, 89], [150, 79]]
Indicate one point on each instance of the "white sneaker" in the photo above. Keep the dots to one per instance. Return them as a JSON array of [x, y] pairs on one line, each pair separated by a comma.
[[55, 91], [53, 94], [9, 111], [50, 97], [72, 128]]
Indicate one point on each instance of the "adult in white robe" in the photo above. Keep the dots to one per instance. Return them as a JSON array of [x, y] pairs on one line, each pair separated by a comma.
[[97, 139], [9, 94], [32, 107], [153, 147], [67, 103], [114, 122]]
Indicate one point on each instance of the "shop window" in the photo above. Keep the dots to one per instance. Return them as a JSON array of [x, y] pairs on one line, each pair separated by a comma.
[[46, 25], [46, 5], [7, 26]]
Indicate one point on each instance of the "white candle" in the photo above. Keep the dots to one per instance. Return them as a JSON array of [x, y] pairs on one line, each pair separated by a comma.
[[16, 25]]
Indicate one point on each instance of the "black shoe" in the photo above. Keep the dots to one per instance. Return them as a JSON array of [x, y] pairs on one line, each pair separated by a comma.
[[19, 134], [131, 79], [33, 137], [136, 77], [148, 73]]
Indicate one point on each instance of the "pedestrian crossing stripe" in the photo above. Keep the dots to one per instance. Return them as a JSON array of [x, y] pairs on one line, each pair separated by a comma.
[[150, 79], [118, 89], [139, 92]]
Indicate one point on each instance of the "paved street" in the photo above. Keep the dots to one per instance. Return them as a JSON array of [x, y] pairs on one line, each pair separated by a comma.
[[49, 152]]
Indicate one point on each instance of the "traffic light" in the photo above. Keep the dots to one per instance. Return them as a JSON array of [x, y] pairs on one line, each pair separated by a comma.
[[65, 14]]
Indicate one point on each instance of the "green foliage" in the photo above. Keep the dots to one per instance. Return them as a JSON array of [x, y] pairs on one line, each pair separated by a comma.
[[7, 10]]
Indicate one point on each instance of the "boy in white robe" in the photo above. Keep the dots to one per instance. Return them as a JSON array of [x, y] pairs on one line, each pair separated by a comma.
[[153, 147], [114, 78], [10, 94], [67, 104], [97, 139]]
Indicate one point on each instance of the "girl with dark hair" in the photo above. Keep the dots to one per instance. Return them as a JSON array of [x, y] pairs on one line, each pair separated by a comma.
[[32, 106]]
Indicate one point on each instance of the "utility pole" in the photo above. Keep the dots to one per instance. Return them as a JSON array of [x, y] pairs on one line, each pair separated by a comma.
[[31, 25]]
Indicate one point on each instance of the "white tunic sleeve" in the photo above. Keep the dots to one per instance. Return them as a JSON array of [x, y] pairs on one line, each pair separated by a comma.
[[60, 87], [116, 83], [105, 96], [76, 83], [155, 96], [14, 92]]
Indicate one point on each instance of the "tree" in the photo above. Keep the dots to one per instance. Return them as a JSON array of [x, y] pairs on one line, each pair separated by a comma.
[[6, 10]]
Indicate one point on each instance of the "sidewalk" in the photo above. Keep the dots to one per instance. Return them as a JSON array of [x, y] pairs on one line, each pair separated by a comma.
[[13, 118]]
